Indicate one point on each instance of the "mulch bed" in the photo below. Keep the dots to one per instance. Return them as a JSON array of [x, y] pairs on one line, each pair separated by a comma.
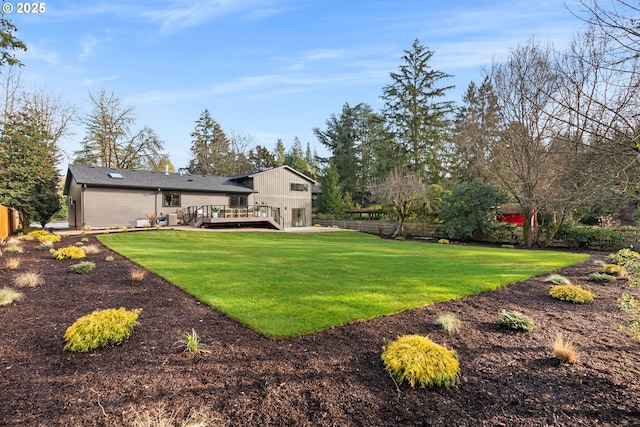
[[334, 377]]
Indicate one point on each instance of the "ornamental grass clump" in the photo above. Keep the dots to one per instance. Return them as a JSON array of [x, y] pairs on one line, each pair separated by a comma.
[[29, 279], [137, 275], [421, 362], [564, 349], [46, 245], [516, 321], [12, 263], [8, 296], [571, 293], [450, 323], [14, 249], [70, 252], [83, 267], [557, 279], [191, 344], [91, 249], [100, 329]]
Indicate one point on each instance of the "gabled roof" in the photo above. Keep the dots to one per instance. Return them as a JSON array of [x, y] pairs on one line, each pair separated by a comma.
[[93, 176], [252, 174]]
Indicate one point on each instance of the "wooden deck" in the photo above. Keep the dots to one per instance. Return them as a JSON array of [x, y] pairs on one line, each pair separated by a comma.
[[257, 222], [232, 216]]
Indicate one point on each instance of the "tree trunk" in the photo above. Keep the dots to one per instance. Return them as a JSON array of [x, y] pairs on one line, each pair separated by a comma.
[[527, 230]]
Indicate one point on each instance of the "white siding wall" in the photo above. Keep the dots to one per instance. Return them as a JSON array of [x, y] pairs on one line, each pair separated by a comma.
[[274, 189]]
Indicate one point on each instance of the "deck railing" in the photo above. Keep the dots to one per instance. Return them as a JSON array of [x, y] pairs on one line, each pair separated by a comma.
[[227, 211]]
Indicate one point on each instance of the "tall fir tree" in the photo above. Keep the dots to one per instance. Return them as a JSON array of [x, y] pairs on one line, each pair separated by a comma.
[[331, 199], [209, 148], [417, 113], [280, 153], [477, 129]]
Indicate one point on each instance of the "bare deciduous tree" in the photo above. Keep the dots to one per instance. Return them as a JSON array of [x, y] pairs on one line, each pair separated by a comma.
[[404, 191]]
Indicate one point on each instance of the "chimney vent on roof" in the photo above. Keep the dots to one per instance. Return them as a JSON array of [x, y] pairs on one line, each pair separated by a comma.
[[166, 169]]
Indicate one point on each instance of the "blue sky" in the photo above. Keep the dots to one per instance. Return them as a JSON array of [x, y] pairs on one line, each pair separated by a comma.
[[266, 68]]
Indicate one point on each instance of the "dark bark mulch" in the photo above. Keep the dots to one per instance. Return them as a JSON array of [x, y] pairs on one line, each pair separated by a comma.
[[333, 377]]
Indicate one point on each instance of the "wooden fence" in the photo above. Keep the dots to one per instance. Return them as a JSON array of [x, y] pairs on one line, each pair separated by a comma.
[[436, 231]]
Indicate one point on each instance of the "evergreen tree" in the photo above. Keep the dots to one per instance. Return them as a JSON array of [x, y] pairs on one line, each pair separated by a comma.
[[417, 114], [280, 153], [9, 43], [209, 148], [295, 158], [477, 129], [340, 138], [28, 175], [260, 158], [331, 198]]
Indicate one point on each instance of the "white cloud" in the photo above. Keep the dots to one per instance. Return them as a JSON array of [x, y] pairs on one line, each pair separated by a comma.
[[99, 80], [87, 45], [34, 52]]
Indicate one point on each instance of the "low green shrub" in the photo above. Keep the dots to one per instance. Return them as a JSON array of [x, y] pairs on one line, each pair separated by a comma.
[[46, 245], [516, 321], [624, 256], [557, 279], [100, 329], [602, 278], [70, 252], [571, 293], [83, 267], [8, 296], [582, 236], [420, 361], [628, 304]]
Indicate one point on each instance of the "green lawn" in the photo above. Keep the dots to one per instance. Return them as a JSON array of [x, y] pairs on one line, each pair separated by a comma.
[[286, 284]]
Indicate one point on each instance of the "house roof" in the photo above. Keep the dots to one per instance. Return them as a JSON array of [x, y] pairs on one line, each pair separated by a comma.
[[93, 176], [252, 174]]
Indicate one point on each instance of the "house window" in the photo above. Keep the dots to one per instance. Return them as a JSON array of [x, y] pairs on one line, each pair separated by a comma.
[[299, 187], [236, 200], [171, 198]]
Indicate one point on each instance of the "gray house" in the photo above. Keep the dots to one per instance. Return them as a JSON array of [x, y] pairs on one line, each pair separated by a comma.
[[107, 197]]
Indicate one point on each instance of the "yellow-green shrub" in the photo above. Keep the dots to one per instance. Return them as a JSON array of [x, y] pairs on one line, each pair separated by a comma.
[[45, 236], [571, 293], [70, 252], [100, 329], [420, 361], [443, 241], [615, 270]]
